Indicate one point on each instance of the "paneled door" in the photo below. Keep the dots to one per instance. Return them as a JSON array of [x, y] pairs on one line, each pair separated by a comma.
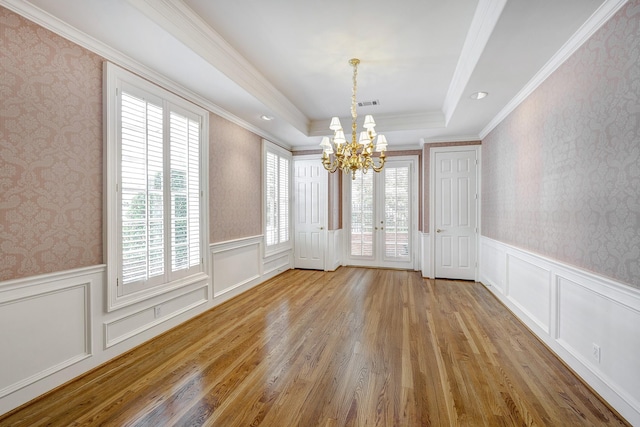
[[456, 200], [381, 216], [310, 213]]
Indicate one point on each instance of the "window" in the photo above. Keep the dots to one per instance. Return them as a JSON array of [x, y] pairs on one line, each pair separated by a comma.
[[277, 172], [155, 233]]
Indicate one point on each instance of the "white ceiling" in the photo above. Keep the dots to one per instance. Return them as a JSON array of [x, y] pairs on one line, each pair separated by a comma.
[[422, 59]]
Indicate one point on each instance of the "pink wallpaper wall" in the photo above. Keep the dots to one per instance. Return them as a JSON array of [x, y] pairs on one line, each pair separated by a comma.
[[235, 181], [51, 157], [335, 201], [50, 151], [561, 174]]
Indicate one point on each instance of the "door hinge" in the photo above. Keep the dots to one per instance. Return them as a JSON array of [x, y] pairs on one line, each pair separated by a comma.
[[117, 281]]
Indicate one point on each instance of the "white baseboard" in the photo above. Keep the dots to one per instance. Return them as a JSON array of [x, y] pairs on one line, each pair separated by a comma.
[[572, 310]]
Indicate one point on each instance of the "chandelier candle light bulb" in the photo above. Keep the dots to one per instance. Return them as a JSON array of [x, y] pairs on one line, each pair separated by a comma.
[[357, 154]]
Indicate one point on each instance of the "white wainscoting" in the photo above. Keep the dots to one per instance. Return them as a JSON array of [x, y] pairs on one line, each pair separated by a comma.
[[572, 311], [425, 254], [238, 265], [334, 250], [130, 325], [55, 327], [46, 327]]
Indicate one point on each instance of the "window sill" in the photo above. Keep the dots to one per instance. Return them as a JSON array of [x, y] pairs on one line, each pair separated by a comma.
[[118, 302]]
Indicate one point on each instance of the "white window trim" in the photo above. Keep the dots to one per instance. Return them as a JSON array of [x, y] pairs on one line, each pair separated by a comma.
[[268, 146], [114, 76]]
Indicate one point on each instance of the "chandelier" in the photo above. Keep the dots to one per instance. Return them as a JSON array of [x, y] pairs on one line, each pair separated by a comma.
[[357, 154]]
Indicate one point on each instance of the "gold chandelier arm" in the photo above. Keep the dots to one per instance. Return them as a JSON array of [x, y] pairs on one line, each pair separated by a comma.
[[328, 164], [379, 167]]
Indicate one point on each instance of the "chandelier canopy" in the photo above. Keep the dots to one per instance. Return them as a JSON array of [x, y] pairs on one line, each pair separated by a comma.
[[357, 154]]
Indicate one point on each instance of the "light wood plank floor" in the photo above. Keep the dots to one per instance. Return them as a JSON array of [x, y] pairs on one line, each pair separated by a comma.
[[355, 347]]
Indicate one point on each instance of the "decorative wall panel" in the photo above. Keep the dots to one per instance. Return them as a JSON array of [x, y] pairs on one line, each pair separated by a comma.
[[572, 311], [46, 327]]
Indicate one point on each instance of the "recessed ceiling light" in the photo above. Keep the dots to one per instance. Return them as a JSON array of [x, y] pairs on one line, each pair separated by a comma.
[[479, 95], [267, 118]]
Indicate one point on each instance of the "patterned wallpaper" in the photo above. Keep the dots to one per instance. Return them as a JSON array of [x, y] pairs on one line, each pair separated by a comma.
[[561, 174], [235, 181], [50, 151], [51, 157], [335, 201]]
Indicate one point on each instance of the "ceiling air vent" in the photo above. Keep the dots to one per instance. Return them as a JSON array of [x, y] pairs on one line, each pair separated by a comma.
[[368, 103]]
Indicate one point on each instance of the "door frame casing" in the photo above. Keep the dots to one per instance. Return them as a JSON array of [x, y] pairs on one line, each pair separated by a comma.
[[346, 211], [432, 203], [325, 223]]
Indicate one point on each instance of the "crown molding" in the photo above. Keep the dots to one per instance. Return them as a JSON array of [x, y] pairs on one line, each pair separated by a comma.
[[315, 149], [455, 138], [484, 21], [61, 28], [184, 24], [593, 24], [428, 120]]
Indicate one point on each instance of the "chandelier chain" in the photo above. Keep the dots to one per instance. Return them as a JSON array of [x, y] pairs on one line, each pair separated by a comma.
[[354, 114]]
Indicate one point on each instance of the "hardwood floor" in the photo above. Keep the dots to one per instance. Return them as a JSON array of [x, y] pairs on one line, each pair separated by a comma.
[[355, 347]]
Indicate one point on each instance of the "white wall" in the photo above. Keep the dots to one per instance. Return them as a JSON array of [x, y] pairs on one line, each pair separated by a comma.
[[573, 311], [425, 255], [334, 251], [55, 327]]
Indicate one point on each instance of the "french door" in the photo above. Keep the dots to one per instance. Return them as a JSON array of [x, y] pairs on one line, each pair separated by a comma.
[[381, 216]]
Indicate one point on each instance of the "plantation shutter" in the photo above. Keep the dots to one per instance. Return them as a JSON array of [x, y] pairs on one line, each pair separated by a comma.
[[276, 199], [271, 178], [160, 192], [141, 188], [185, 192], [283, 201]]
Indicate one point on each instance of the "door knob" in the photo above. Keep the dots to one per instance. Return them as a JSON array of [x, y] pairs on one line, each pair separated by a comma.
[[438, 230], [321, 228]]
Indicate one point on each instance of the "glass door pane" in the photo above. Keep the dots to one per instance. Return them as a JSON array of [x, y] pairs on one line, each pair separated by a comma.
[[381, 215], [397, 213], [362, 215]]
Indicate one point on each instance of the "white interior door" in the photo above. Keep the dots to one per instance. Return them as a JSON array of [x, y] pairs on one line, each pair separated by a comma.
[[455, 227], [310, 214], [381, 216]]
